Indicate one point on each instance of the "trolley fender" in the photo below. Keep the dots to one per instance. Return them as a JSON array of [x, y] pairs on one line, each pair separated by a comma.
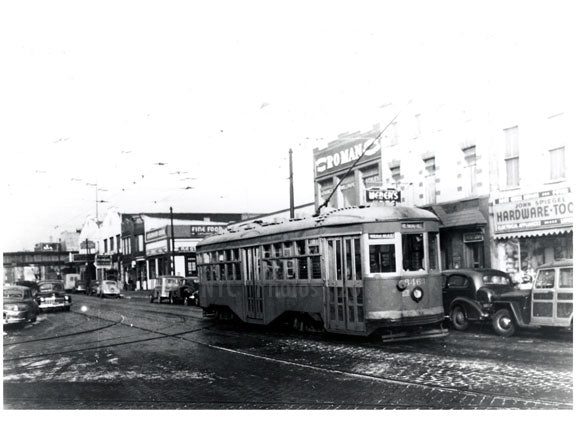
[[514, 309], [473, 309]]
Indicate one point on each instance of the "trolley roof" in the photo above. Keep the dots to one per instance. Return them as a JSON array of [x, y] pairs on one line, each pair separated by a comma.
[[337, 217]]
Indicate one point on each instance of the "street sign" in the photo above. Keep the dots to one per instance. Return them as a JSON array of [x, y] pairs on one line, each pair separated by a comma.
[[383, 195]]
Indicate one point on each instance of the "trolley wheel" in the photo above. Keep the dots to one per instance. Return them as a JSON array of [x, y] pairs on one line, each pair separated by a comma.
[[459, 319], [503, 323]]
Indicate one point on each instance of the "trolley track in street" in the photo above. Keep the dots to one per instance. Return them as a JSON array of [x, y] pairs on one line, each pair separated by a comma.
[[184, 335]]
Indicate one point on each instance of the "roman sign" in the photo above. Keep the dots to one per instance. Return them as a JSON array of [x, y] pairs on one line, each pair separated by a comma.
[[538, 210], [336, 158]]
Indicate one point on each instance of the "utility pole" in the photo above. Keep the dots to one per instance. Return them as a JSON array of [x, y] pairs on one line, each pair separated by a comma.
[[172, 244], [291, 184]]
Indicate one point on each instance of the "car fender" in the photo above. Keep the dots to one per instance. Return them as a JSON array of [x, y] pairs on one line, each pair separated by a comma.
[[514, 308], [473, 309]]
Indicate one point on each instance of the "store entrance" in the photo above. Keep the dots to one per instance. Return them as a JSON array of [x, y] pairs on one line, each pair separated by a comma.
[[474, 255]]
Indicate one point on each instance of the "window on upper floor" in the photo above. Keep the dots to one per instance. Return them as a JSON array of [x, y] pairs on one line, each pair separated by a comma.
[[512, 157], [395, 171], [105, 245], [557, 163]]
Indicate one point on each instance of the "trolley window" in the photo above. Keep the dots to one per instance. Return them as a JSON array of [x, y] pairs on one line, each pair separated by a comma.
[[382, 258], [412, 252], [433, 250]]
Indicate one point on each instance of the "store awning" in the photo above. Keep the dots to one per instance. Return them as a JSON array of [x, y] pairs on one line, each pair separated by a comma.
[[533, 233], [464, 217]]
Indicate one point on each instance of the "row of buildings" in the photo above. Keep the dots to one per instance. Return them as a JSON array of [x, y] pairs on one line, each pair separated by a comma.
[[500, 182]]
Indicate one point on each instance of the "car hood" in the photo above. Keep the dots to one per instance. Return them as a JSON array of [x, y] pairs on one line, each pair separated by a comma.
[[49, 293], [514, 295], [15, 301]]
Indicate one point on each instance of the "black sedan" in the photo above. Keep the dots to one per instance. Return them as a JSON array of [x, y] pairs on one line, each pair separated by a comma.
[[19, 305], [469, 294], [53, 297]]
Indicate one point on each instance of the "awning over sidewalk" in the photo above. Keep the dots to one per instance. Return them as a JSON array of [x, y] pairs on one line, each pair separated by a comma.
[[533, 233], [464, 217]]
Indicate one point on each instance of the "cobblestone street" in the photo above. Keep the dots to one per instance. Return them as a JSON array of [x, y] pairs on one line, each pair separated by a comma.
[[128, 354]]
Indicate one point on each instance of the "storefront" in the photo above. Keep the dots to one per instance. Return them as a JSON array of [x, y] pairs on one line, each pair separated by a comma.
[[463, 233], [532, 228], [181, 261]]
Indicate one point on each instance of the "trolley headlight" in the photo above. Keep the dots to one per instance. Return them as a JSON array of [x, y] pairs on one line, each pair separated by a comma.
[[417, 294]]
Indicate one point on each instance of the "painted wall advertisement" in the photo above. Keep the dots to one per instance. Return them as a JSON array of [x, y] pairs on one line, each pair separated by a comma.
[[537, 210]]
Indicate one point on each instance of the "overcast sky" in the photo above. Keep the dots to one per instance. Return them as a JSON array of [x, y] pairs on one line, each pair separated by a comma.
[[100, 92]]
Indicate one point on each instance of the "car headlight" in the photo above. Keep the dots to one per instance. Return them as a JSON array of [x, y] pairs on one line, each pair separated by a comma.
[[66, 297], [417, 294], [41, 299]]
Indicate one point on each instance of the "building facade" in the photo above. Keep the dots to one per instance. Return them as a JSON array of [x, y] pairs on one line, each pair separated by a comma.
[[474, 170]]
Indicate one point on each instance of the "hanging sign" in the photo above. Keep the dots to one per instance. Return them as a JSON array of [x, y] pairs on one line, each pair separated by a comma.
[[383, 195]]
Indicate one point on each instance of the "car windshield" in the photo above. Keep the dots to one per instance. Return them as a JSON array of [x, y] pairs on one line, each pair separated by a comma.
[[13, 294], [172, 281], [501, 280]]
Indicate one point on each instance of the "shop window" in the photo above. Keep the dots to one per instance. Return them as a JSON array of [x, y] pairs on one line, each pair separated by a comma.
[[412, 252], [512, 157], [382, 258]]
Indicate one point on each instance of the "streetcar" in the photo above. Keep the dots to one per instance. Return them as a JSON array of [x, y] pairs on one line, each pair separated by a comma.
[[360, 270]]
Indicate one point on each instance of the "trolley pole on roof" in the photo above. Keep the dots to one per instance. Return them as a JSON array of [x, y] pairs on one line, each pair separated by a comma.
[[173, 261], [291, 185]]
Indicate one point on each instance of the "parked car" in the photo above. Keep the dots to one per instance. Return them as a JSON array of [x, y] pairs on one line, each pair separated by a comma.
[[549, 303], [168, 288], [468, 294], [33, 285], [189, 291], [70, 280], [108, 288], [93, 288], [19, 305], [52, 296], [80, 286]]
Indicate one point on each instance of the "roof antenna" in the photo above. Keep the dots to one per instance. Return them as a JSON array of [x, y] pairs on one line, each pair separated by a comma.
[[325, 202]]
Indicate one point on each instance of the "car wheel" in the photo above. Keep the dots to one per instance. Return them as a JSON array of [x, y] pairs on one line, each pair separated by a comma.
[[459, 319], [503, 323]]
